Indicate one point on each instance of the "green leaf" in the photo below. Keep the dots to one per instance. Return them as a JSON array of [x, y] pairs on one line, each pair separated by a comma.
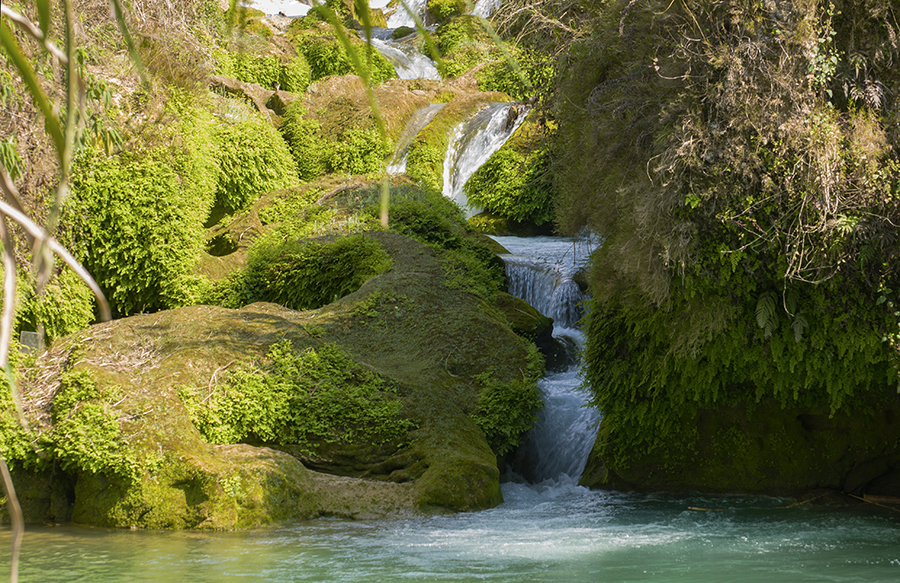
[[766, 314]]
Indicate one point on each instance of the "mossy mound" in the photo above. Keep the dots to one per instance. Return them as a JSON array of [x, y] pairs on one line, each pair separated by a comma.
[[131, 391], [769, 449]]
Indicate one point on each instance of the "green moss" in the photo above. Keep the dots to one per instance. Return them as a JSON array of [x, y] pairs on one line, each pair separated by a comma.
[[305, 274], [507, 411], [298, 398]]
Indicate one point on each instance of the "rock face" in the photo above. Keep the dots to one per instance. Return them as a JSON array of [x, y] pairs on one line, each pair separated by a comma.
[[771, 450], [153, 467]]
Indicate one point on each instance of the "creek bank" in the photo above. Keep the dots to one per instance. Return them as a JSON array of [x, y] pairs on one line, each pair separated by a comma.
[[439, 351]]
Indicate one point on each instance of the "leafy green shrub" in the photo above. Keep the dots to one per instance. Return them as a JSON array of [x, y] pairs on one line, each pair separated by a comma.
[[326, 56], [295, 75], [305, 274], [304, 139], [506, 412], [270, 71], [86, 432], [358, 152], [253, 160], [352, 151], [514, 186], [66, 306], [135, 228], [444, 10], [297, 398], [463, 44], [500, 76]]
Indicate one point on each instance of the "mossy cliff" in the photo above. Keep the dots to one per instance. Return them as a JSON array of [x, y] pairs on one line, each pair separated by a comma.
[[136, 429], [740, 161]]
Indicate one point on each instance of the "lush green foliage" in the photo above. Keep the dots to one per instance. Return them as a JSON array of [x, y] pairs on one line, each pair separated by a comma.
[[270, 71], [436, 221], [304, 274], [506, 412], [326, 55], [498, 75], [299, 398], [65, 306], [463, 44], [253, 159], [444, 10], [135, 229], [354, 150], [746, 187], [514, 185]]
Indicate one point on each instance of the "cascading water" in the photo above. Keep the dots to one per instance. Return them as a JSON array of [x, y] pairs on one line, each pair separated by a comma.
[[403, 17], [419, 120], [540, 271], [403, 54], [471, 144]]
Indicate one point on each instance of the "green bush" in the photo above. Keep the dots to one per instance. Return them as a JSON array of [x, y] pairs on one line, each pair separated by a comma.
[[358, 152], [444, 10], [305, 141], [66, 306], [352, 151], [506, 412], [298, 398], [270, 71], [514, 186], [327, 56], [500, 76], [136, 228], [305, 274], [253, 160]]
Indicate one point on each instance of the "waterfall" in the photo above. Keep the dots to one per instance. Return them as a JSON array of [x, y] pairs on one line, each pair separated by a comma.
[[471, 144], [402, 18], [406, 58], [540, 270], [419, 120]]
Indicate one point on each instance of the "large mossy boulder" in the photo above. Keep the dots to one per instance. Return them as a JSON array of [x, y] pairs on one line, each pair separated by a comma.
[[183, 418]]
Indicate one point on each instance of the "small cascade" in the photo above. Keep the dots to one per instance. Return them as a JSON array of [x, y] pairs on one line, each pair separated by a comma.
[[415, 125], [404, 55], [472, 143], [540, 271], [402, 17], [485, 7]]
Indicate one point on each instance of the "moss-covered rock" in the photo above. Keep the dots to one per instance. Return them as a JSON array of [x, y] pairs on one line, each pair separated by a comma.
[[125, 386]]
